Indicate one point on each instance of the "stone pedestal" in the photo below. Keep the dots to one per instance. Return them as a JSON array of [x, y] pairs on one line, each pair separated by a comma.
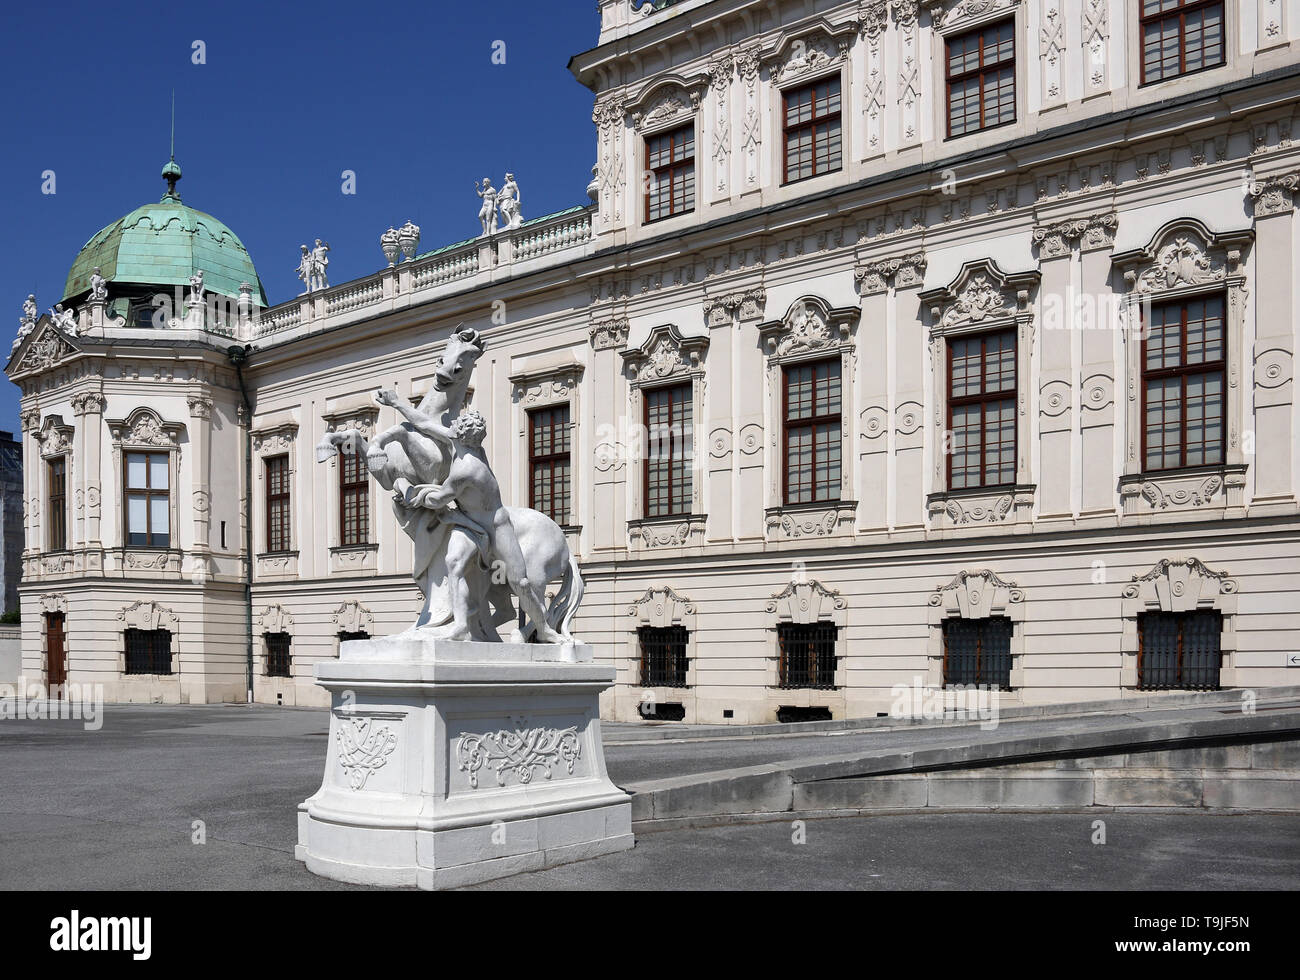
[[455, 762]]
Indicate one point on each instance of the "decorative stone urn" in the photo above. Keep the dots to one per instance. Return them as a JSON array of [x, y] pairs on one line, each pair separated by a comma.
[[454, 762], [409, 239], [390, 243]]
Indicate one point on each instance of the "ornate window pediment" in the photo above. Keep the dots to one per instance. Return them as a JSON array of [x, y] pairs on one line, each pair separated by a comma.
[[1183, 254], [981, 296], [664, 355], [807, 602], [280, 438], [810, 53], [547, 385], [54, 436], [145, 614], [275, 619], [660, 607], [965, 14], [145, 428], [976, 594], [668, 101], [353, 617], [810, 325], [1179, 585]]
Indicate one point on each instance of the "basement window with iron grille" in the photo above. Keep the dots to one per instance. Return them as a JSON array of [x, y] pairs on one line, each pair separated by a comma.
[[277, 654], [663, 655], [807, 655], [1179, 651], [977, 652], [148, 651]]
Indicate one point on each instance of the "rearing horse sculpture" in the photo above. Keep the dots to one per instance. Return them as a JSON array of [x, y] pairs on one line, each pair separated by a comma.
[[400, 457]]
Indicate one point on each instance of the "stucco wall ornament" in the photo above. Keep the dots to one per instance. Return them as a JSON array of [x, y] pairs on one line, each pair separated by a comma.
[[523, 752], [363, 747]]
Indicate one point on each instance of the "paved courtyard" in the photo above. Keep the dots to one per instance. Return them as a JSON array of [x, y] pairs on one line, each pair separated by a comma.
[[116, 809]]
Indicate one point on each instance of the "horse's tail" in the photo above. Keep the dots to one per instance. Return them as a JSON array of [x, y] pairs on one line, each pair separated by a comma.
[[565, 605]]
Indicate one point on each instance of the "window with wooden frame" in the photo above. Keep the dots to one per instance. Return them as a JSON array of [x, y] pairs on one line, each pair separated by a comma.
[[813, 132], [982, 410], [550, 462], [56, 471], [148, 499], [354, 499], [277, 503], [670, 173], [977, 652], [1179, 651], [278, 646], [1184, 366], [811, 410], [807, 652], [148, 651], [669, 427], [980, 71], [663, 655], [353, 635], [1181, 37]]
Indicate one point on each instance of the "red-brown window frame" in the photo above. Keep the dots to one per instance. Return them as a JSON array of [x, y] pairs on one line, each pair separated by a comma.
[[673, 444], [1181, 13], [669, 170], [982, 399], [357, 488], [1182, 371], [548, 461], [981, 70], [809, 423], [810, 123], [149, 493], [285, 497], [57, 501]]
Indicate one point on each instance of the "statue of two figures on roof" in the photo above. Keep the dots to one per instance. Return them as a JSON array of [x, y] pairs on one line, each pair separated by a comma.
[[506, 199], [312, 266], [473, 556]]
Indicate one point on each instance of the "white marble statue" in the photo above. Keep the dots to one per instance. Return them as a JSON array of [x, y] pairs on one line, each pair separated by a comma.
[[487, 214], [98, 287], [65, 320], [196, 289], [319, 263], [304, 268], [467, 560], [508, 201], [29, 309]]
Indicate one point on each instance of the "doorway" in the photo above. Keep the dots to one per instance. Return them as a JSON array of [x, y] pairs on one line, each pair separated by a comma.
[[56, 655]]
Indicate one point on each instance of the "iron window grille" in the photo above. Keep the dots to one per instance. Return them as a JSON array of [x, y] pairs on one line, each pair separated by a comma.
[[807, 655], [663, 655], [982, 410], [148, 651], [278, 657], [1184, 368], [812, 127], [550, 463], [1179, 651], [1181, 37], [977, 652], [981, 79]]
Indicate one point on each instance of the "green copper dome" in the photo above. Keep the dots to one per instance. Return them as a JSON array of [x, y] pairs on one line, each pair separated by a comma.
[[164, 244]]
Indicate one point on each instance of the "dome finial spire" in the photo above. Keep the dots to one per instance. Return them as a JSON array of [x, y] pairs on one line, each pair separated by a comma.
[[172, 171]]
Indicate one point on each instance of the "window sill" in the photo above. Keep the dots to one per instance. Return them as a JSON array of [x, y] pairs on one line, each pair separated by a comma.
[[817, 519], [675, 531], [353, 558], [277, 564], [1008, 504], [1213, 488]]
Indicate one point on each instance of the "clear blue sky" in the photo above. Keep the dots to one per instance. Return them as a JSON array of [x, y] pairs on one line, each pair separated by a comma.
[[404, 94]]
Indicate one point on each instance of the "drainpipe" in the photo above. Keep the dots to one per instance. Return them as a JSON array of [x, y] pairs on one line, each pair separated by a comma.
[[238, 356]]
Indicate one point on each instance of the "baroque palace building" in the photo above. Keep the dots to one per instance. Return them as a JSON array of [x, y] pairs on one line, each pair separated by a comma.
[[902, 343]]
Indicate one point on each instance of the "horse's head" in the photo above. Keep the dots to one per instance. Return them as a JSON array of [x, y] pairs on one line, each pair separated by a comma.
[[463, 348]]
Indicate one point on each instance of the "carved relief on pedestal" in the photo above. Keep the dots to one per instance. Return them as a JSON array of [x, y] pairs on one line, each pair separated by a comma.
[[363, 748], [523, 752]]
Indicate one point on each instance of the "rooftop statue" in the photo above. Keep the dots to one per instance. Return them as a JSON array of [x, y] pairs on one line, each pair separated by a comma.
[[27, 322], [65, 320], [487, 214], [473, 555], [508, 201], [196, 288], [98, 287], [319, 262]]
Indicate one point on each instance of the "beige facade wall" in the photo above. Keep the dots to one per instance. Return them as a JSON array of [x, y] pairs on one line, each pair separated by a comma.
[[1101, 205]]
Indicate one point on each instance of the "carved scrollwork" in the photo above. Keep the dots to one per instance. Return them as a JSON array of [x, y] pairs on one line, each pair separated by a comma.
[[523, 752], [363, 748]]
